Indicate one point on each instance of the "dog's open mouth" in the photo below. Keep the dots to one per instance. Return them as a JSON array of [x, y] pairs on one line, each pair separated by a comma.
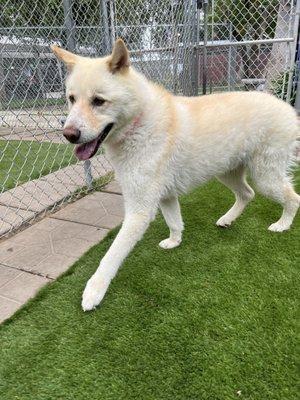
[[85, 151]]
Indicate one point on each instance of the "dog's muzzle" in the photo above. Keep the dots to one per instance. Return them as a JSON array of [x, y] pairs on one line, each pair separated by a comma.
[[72, 134], [84, 151]]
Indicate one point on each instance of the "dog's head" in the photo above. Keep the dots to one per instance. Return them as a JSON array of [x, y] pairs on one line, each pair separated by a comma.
[[101, 97]]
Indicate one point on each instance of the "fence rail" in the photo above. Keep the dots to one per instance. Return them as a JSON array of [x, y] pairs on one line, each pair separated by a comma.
[[192, 47]]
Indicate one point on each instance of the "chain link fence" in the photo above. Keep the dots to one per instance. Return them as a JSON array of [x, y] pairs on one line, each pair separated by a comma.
[[192, 47]]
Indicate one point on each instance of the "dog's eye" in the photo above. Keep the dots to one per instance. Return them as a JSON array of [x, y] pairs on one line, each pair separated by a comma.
[[72, 99], [98, 101]]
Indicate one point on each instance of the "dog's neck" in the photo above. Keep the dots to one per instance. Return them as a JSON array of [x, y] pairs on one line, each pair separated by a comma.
[[134, 124]]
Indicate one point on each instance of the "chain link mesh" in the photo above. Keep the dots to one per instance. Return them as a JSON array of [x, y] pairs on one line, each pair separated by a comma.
[[266, 61], [192, 47]]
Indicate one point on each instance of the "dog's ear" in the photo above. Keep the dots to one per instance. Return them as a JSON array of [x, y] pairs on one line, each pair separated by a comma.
[[119, 59], [68, 58]]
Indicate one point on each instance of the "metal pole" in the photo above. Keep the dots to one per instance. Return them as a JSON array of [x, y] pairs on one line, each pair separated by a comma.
[[297, 100], [105, 24], [112, 21], [58, 64], [212, 44], [194, 40], [2, 84], [71, 45], [197, 50], [175, 52], [229, 71], [69, 25], [88, 173], [186, 47], [232, 67], [293, 48], [204, 67]]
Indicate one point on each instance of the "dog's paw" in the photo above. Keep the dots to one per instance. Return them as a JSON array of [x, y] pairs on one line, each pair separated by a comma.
[[278, 227], [94, 292], [169, 243], [224, 222]]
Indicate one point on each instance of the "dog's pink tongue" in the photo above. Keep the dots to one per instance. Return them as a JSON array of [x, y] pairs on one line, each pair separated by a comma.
[[85, 150]]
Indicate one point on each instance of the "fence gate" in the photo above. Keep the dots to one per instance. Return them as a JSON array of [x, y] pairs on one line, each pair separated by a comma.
[[248, 45], [192, 47]]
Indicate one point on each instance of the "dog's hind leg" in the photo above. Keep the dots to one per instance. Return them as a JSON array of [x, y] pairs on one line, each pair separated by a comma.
[[272, 180], [235, 180], [171, 211]]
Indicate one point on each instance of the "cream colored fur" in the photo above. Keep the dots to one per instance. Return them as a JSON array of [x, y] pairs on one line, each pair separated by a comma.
[[179, 144]]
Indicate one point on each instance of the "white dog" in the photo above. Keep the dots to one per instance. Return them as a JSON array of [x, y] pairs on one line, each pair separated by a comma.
[[162, 145]]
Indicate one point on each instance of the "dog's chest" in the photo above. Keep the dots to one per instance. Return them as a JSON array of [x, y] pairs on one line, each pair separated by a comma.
[[136, 158]]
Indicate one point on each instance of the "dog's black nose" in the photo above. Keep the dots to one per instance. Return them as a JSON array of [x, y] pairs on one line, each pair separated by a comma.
[[71, 133]]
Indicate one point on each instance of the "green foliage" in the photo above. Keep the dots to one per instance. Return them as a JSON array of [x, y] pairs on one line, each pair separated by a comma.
[[250, 19], [31, 13], [210, 319], [279, 87]]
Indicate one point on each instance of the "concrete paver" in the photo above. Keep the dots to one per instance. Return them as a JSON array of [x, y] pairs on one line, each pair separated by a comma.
[[23, 287], [16, 287], [10, 217], [113, 187], [99, 209], [110, 221], [8, 307], [55, 264], [111, 202], [85, 211], [7, 274], [36, 245], [42, 252]]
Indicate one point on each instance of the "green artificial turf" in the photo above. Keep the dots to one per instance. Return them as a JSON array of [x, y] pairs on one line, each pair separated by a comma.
[[213, 319], [22, 161]]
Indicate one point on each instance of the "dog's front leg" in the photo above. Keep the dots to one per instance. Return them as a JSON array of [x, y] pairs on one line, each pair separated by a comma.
[[171, 211], [133, 228]]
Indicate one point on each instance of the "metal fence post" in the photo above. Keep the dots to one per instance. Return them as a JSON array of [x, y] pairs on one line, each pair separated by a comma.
[[188, 50], [196, 48], [105, 24], [69, 25], [204, 67], [293, 49], [112, 21], [88, 173], [175, 51], [297, 100], [2, 84], [71, 45], [232, 63]]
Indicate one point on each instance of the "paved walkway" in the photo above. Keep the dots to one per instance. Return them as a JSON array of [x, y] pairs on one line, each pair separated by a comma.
[[35, 135], [33, 118], [39, 254]]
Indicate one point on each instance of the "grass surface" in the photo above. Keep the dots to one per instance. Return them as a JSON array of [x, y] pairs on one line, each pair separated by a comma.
[[204, 321], [22, 161]]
